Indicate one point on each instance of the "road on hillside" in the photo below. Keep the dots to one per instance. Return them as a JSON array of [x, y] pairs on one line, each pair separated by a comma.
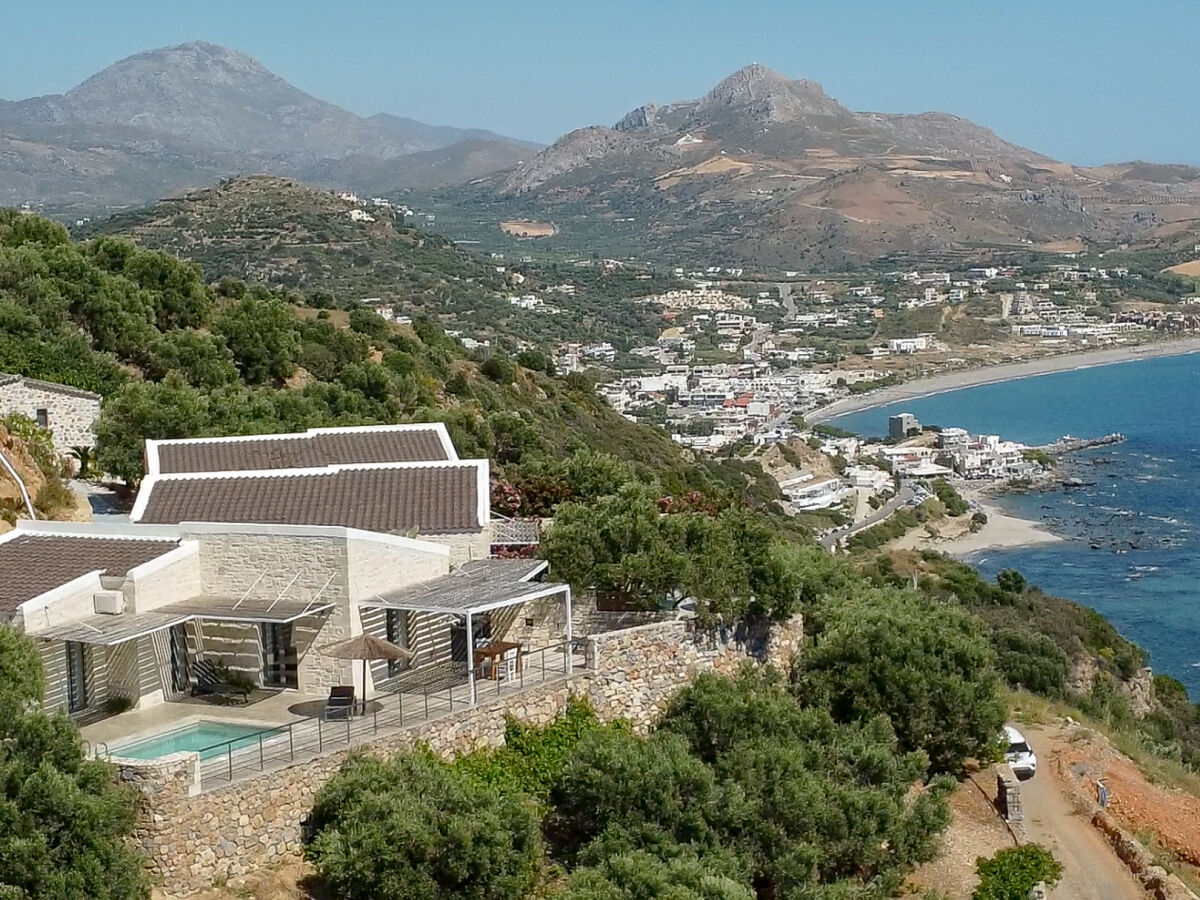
[[1091, 870], [905, 497]]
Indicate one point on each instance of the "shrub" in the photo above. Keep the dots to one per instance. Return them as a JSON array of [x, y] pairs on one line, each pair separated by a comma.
[[616, 780], [499, 369], [926, 666], [416, 828], [66, 820], [1010, 874], [1010, 580], [1031, 661], [950, 497]]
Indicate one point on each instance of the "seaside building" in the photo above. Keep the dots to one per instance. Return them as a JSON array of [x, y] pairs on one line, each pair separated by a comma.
[[903, 425]]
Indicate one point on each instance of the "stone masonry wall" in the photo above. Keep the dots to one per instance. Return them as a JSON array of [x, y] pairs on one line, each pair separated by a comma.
[[194, 840], [70, 413]]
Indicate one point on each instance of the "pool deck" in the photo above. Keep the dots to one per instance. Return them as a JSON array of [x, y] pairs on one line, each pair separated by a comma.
[[277, 709]]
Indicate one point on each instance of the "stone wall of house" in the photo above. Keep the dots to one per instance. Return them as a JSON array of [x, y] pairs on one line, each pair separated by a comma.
[[543, 622], [635, 671], [464, 547], [193, 841], [70, 413]]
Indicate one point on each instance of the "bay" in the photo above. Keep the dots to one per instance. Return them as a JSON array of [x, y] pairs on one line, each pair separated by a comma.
[[1133, 532]]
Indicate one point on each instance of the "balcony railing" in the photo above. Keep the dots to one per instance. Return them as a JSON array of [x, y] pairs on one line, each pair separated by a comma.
[[409, 702]]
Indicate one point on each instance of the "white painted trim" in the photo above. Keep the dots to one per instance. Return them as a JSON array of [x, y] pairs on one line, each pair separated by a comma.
[[96, 530], [42, 602], [152, 456], [143, 497], [435, 548], [185, 550], [333, 531], [310, 471], [483, 492], [439, 428]]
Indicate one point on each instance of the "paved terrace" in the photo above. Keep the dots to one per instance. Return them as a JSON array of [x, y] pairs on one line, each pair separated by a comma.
[[295, 728]]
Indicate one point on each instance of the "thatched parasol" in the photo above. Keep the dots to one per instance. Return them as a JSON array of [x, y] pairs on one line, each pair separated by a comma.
[[367, 647]]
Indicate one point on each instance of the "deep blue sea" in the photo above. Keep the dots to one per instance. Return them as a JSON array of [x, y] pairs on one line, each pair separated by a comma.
[[1133, 548]]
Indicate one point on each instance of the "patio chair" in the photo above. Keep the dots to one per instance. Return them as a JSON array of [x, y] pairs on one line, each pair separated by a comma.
[[510, 664], [340, 703], [207, 679]]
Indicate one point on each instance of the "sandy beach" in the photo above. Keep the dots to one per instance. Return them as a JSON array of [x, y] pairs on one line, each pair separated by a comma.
[[953, 381], [1001, 532]]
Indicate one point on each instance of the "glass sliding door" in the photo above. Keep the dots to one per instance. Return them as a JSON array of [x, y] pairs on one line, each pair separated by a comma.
[[280, 662], [78, 657], [396, 624]]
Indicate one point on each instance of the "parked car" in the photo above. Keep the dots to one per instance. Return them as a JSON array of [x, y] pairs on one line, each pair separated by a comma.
[[1019, 755]]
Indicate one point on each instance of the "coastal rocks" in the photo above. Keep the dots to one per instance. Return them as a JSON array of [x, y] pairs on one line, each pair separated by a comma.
[[1140, 691]]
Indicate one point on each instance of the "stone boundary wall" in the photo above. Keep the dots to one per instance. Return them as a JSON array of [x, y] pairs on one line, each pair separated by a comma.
[[194, 841], [1008, 797]]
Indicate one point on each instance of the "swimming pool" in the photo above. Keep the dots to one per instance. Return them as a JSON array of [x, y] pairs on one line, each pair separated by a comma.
[[210, 738]]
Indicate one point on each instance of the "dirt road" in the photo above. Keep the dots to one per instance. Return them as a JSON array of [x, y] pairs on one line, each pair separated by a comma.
[[1091, 871]]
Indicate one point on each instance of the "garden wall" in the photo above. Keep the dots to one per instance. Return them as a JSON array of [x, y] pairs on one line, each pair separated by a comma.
[[193, 841]]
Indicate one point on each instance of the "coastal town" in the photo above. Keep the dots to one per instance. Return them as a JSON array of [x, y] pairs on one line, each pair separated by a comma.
[[737, 366], [759, 495]]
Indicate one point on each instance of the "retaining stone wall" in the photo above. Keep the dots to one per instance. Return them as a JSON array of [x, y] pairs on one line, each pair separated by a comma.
[[193, 841]]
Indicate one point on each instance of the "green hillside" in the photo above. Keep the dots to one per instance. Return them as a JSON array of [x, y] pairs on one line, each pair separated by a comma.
[[175, 357], [274, 232]]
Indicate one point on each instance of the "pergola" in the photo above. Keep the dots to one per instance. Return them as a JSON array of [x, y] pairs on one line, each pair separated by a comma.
[[478, 587]]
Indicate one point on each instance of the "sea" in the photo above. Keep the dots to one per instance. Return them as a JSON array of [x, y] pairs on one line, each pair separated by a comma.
[[1132, 548]]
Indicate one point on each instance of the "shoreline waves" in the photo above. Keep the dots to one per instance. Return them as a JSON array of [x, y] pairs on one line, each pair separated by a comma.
[[953, 381]]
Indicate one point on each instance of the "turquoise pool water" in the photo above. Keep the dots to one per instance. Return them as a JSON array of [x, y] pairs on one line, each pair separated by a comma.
[[211, 739]]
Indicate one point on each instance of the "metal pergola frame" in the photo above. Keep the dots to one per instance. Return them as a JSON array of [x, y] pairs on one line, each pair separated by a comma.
[[444, 596]]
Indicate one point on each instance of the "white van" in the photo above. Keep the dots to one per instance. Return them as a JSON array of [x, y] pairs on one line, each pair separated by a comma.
[[1019, 755]]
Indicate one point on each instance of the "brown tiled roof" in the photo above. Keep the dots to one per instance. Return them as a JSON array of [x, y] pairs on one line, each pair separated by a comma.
[[32, 564], [302, 451], [436, 499]]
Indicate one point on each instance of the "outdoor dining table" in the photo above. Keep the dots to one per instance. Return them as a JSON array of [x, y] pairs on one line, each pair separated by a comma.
[[493, 653]]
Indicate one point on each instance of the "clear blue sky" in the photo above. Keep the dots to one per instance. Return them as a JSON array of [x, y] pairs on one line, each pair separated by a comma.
[[1087, 81]]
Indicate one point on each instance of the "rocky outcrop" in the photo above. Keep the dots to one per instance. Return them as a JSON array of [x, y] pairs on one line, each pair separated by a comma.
[[567, 154], [766, 96], [18, 456]]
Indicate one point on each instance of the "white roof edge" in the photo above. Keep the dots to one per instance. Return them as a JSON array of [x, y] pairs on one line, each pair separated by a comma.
[[398, 540], [150, 566], [335, 531], [41, 602], [483, 492], [309, 433], [150, 480], [143, 497], [115, 530]]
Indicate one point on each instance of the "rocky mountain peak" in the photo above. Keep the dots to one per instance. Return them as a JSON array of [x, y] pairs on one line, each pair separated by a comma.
[[767, 95]]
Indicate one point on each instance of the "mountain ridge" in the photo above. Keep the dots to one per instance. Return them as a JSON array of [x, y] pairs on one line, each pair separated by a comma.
[[180, 117], [766, 171]]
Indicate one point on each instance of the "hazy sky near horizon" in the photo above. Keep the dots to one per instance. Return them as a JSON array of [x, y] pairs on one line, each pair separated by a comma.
[[1087, 81]]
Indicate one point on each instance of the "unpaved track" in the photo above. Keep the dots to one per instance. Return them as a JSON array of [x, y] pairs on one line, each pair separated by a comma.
[[1091, 870]]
